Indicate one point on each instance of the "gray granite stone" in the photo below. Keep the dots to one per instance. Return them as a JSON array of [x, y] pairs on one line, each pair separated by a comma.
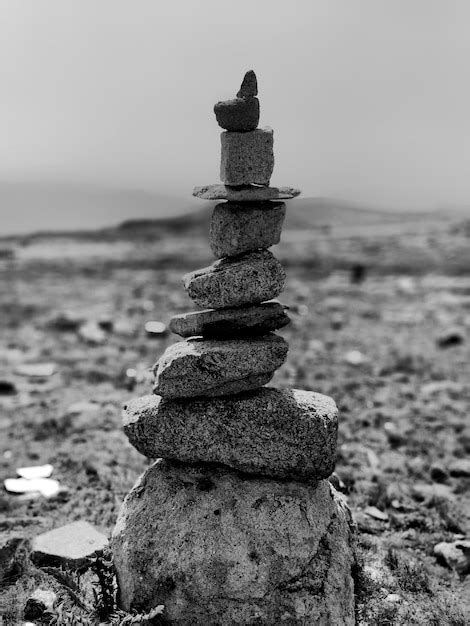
[[215, 548], [247, 279], [245, 193], [231, 323], [240, 227], [200, 367], [247, 158], [270, 432], [249, 86], [239, 114]]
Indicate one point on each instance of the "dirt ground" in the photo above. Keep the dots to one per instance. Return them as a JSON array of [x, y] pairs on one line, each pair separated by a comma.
[[372, 345]]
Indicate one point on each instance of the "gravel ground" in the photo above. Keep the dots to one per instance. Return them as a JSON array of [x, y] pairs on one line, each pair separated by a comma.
[[393, 351]]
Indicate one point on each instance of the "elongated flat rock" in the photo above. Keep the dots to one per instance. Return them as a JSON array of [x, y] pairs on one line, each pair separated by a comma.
[[269, 432], [231, 323], [247, 279], [210, 368], [239, 227], [245, 193], [247, 158]]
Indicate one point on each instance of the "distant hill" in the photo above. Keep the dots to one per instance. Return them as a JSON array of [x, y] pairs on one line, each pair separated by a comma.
[[302, 214], [31, 207], [44, 207]]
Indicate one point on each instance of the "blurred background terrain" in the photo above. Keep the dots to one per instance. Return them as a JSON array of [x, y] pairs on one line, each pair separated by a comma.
[[380, 308]]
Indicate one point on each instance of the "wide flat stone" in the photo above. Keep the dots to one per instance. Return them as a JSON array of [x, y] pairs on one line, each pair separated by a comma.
[[247, 158], [69, 545], [231, 323], [239, 227], [239, 114], [270, 432], [200, 367], [249, 86], [247, 279], [216, 548], [245, 193]]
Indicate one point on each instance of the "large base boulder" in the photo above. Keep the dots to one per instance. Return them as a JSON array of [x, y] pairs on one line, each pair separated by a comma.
[[215, 547]]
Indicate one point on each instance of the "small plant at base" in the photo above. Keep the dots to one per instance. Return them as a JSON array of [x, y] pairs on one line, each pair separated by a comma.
[[121, 618]]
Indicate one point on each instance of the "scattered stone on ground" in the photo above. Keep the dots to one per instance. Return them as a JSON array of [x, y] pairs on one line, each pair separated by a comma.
[[237, 228], [7, 388], [434, 492], [47, 487], [69, 546], [35, 471], [35, 370], [247, 158], [124, 327], [247, 279], [438, 473], [249, 86], [231, 323], [238, 115], [456, 555], [460, 467], [82, 407], [245, 193], [376, 513], [198, 367], [155, 329], [451, 337], [67, 321], [92, 333], [355, 357], [106, 322], [237, 545], [271, 432]]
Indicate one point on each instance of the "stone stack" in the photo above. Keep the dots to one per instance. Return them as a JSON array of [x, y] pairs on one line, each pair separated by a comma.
[[236, 522]]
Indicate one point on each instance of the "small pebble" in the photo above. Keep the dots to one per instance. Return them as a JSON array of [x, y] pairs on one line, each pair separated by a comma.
[[376, 513], [35, 370], [7, 388], [37, 471], [155, 329], [92, 334]]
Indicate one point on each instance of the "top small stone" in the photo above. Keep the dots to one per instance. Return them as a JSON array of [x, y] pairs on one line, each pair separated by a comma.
[[249, 87]]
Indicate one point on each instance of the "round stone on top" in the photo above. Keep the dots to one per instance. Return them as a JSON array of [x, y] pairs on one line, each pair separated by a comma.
[[238, 115], [242, 113]]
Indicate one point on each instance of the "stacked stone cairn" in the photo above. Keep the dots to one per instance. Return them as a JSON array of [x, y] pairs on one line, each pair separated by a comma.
[[236, 522]]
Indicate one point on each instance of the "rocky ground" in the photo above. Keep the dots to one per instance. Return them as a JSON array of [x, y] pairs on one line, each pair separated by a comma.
[[392, 349]]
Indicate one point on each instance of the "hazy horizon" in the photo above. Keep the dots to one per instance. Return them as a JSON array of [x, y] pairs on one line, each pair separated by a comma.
[[368, 101]]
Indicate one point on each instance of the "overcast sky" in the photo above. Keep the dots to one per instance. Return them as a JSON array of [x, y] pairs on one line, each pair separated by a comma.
[[369, 99]]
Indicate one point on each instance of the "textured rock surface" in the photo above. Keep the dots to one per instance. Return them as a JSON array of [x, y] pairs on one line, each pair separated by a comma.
[[199, 368], [239, 114], [217, 548], [246, 193], [247, 279], [247, 158], [239, 227], [249, 86], [231, 323], [270, 432]]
